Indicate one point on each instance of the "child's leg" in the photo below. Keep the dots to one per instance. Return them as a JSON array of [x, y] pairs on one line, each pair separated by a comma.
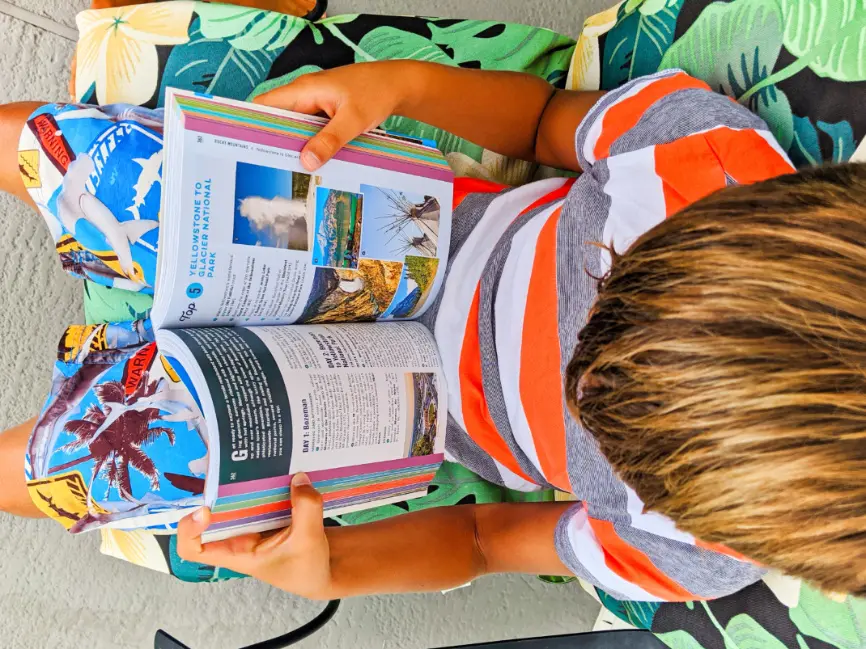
[[14, 498], [12, 120]]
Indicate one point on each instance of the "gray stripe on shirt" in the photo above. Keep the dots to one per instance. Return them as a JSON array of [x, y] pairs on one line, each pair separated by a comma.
[[487, 340], [578, 264], [461, 447], [607, 100], [703, 572], [457, 441], [567, 555], [463, 222], [696, 110]]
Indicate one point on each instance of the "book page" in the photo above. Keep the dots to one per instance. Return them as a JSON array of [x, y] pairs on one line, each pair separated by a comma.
[[253, 239], [359, 407]]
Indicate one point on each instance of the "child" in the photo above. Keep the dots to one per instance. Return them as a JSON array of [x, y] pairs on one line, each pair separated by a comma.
[[703, 401]]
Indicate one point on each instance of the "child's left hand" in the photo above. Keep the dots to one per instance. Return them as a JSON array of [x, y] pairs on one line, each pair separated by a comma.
[[296, 559]]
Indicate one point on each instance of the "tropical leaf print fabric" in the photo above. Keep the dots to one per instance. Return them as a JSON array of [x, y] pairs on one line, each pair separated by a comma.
[[758, 617], [240, 52], [799, 64]]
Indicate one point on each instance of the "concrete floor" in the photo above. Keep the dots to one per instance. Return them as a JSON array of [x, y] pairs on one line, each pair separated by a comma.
[[58, 591]]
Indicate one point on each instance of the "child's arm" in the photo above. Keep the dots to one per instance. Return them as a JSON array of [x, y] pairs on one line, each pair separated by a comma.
[[432, 550], [515, 114], [12, 120], [14, 498]]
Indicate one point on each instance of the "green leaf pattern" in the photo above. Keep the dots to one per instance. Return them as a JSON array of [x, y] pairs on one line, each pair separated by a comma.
[[804, 149], [680, 639], [841, 624], [829, 37], [388, 43], [735, 46], [842, 136], [731, 46], [516, 47], [743, 632], [215, 66], [637, 43], [638, 614], [249, 29], [284, 80]]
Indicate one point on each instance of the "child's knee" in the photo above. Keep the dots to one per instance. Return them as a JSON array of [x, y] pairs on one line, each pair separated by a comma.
[[14, 497]]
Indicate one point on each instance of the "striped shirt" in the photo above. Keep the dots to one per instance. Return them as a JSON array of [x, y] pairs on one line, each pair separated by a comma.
[[520, 287]]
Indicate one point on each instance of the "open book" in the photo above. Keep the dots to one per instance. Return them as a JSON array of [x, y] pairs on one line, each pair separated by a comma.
[[251, 380]]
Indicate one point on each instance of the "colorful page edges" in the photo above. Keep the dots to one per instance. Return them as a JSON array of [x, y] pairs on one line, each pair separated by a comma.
[[374, 149]]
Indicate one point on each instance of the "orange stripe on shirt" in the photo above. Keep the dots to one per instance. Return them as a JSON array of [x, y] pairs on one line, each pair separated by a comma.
[[555, 195], [541, 391], [696, 165], [746, 156], [624, 114], [689, 170], [476, 415], [465, 186], [636, 567]]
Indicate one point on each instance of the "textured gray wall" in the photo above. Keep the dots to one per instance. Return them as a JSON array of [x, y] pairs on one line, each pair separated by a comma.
[[58, 591]]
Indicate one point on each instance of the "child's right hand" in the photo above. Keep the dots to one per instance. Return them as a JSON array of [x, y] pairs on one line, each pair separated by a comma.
[[296, 559], [356, 97]]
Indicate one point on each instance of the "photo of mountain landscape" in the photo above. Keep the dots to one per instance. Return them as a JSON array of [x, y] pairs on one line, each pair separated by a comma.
[[352, 295], [337, 240], [416, 282]]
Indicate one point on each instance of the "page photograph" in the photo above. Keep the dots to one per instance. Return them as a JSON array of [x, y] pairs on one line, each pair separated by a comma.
[[358, 295], [416, 284], [399, 223], [338, 228], [273, 207], [422, 391]]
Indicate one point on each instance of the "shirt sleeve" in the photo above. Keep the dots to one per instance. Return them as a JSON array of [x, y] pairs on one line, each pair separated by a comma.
[[645, 558], [662, 142], [660, 109]]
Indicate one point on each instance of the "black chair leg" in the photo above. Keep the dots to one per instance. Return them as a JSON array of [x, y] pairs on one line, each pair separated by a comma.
[[318, 11]]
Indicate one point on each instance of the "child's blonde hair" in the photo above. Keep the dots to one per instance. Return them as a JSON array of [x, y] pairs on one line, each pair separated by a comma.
[[723, 372]]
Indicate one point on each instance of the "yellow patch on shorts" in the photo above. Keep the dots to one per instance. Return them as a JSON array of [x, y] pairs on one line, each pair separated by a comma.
[[82, 339], [28, 167], [68, 243], [62, 497]]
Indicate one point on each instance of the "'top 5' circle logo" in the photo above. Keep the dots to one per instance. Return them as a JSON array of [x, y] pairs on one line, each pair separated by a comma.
[[194, 290]]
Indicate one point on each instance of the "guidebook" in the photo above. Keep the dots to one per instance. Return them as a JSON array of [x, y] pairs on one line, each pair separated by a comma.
[[275, 343]]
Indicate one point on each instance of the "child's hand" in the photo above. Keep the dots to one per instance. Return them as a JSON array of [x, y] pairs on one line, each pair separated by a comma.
[[296, 559], [356, 97]]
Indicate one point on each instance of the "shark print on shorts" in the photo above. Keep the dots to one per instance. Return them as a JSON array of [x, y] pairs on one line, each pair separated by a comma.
[[95, 173]]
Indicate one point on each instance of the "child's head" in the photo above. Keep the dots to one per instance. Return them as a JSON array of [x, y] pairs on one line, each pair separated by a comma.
[[723, 372]]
